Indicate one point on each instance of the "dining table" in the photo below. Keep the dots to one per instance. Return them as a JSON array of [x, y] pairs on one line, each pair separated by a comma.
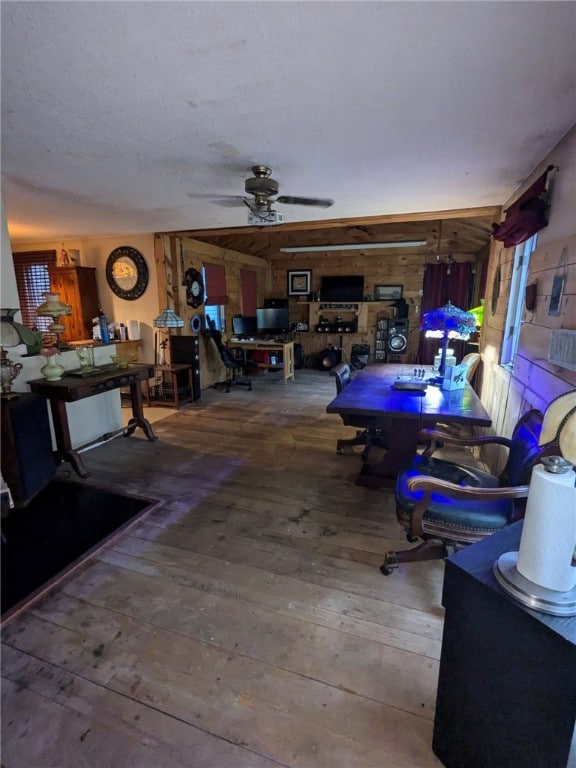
[[373, 399]]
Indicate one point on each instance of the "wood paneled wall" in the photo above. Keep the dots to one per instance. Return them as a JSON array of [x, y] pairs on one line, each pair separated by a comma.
[[174, 256], [406, 269], [533, 381]]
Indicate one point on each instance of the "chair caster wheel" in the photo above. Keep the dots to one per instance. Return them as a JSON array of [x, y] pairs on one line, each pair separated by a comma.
[[385, 571], [411, 539]]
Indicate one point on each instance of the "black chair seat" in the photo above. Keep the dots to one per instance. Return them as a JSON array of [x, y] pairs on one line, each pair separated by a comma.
[[444, 510]]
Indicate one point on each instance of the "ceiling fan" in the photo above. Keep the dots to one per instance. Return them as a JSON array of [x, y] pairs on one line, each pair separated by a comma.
[[263, 188]]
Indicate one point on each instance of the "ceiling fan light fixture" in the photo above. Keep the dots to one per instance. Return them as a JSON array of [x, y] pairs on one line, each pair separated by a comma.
[[354, 246]]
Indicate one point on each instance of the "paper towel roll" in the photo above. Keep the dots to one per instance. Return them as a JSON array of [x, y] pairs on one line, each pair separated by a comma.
[[549, 533]]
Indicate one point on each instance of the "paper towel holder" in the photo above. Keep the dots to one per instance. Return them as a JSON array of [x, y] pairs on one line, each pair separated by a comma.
[[522, 589]]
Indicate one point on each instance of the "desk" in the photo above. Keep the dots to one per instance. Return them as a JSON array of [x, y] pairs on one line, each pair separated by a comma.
[[285, 348], [507, 679], [71, 388], [370, 398]]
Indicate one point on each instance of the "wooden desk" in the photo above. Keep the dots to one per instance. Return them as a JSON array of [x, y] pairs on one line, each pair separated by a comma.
[[71, 388], [507, 679], [371, 400], [286, 349]]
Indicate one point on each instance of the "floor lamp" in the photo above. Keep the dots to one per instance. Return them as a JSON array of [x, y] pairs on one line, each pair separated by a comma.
[[166, 320]]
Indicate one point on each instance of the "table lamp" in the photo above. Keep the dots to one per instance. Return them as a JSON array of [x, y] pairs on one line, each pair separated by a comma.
[[11, 335], [166, 320], [54, 308], [447, 322]]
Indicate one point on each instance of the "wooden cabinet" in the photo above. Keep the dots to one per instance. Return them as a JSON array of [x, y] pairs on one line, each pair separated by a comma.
[[27, 459], [76, 286]]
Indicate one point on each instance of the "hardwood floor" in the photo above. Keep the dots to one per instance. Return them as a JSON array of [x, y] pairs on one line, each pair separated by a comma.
[[242, 624]]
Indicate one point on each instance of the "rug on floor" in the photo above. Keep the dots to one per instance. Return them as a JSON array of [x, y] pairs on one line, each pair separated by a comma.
[[64, 523]]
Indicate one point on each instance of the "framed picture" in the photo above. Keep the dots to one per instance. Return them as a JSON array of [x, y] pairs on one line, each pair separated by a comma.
[[387, 292], [556, 295], [299, 282]]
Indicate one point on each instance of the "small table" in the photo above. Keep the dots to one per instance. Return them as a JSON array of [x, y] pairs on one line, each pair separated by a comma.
[[69, 389], [371, 397], [507, 680], [173, 384], [286, 348]]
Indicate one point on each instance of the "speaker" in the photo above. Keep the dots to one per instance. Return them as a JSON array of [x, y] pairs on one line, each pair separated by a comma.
[[185, 350], [397, 339], [328, 358], [276, 303]]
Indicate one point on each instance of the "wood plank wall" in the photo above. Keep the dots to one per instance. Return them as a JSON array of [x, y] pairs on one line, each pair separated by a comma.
[[533, 381], [405, 269], [171, 269]]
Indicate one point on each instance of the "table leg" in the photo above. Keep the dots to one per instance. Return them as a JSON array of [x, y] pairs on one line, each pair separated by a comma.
[[63, 441], [403, 442], [138, 419]]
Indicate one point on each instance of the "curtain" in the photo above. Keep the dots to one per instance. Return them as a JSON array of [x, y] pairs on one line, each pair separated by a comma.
[[249, 292], [215, 284], [525, 217], [443, 283]]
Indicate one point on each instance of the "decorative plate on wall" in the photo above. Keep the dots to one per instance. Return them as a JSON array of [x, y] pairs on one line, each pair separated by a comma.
[[127, 272]]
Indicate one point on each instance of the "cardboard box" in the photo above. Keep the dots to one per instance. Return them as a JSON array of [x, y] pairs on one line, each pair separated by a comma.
[[454, 377]]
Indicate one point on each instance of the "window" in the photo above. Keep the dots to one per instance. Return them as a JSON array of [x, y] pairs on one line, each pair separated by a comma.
[[516, 301], [33, 281], [216, 313]]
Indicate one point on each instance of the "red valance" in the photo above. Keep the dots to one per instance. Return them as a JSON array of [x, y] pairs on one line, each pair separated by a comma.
[[215, 279], [526, 216], [249, 285]]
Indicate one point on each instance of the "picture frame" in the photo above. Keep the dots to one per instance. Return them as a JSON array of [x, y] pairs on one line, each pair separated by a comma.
[[388, 292], [299, 282], [556, 295]]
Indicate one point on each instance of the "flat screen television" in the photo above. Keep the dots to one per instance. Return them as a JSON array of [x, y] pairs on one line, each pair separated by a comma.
[[342, 288], [273, 320], [243, 325]]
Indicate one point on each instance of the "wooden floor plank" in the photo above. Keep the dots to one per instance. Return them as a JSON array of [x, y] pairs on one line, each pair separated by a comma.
[[244, 623]]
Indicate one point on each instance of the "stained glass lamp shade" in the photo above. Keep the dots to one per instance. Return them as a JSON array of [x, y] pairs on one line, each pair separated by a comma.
[[168, 319], [448, 322]]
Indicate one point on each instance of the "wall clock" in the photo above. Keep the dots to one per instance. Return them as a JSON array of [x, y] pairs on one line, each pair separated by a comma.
[[194, 288], [127, 272]]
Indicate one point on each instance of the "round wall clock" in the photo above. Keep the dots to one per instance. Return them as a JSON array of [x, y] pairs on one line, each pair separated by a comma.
[[194, 288], [127, 272]]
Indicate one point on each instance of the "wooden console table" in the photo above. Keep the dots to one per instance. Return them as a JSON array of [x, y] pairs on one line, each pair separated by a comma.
[[69, 389], [285, 348]]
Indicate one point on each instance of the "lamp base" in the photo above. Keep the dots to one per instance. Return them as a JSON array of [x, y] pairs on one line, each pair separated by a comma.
[[529, 594]]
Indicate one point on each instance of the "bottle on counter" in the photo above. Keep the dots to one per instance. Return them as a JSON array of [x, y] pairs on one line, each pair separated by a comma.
[[103, 325]]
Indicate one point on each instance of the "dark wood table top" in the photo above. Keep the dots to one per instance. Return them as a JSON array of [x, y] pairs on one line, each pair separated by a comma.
[[70, 388], [371, 394]]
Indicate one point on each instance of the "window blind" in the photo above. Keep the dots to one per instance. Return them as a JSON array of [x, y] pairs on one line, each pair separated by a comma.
[[249, 292], [215, 284], [33, 281]]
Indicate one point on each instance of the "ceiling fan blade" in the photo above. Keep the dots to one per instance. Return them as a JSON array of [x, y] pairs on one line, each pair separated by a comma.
[[225, 201], [319, 202]]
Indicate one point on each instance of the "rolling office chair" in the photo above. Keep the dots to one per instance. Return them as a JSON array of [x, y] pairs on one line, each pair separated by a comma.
[[234, 360], [444, 504], [368, 436]]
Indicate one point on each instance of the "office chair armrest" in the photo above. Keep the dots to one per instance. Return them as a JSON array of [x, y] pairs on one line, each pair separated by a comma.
[[434, 437], [433, 485]]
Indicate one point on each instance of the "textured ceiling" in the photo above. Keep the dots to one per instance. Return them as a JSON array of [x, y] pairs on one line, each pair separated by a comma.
[[128, 117]]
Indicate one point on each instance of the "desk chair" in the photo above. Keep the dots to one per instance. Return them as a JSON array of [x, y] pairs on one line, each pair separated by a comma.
[[234, 360], [367, 436], [445, 504]]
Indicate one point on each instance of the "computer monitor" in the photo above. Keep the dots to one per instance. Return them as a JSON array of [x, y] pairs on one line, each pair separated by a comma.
[[273, 320], [243, 325]]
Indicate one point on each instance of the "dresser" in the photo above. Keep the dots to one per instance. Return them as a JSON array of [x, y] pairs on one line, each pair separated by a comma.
[[76, 286]]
